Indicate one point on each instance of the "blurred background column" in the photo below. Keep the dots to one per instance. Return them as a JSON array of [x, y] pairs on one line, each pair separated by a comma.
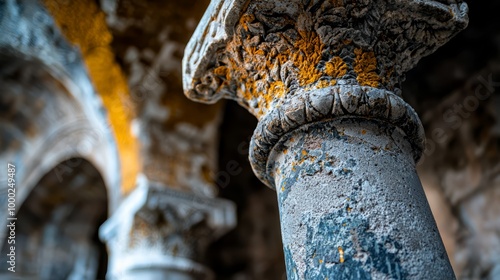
[[161, 233]]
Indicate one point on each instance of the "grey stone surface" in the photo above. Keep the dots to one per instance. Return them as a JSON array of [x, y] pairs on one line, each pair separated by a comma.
[[352, 206]]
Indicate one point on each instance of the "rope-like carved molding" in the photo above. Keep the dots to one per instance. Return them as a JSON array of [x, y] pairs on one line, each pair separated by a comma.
[[295, 62], [331, 103]]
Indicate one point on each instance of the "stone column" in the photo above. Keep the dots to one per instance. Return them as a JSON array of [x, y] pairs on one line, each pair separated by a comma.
[[334, 138], [161, 233]]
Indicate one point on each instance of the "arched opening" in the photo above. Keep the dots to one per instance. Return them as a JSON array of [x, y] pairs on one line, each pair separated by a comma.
[[57, 226]]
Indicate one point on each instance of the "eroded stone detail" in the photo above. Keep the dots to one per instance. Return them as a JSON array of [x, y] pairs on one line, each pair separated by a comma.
[[260, 52]]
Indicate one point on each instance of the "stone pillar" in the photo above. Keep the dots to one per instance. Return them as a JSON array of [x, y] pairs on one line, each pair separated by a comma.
[[334, 136], [161, 233]]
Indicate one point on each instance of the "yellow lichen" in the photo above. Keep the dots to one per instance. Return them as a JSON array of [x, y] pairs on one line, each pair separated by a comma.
[[84, 25], [221, 71], [323, 84], [309, 48], [305, 58], [336, 67], [253, 66], [341, 253], [365, 66], [245, 19]]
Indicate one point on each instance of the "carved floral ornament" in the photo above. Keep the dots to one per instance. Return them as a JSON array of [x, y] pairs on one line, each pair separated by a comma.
[[295, 62]]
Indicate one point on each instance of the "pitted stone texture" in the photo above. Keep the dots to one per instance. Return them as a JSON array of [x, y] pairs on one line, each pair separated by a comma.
[[165, 232], [352, 206], [259, 52]]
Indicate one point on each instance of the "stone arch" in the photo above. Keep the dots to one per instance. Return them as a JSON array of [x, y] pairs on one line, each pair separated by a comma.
[[48, 117], [57, 225]]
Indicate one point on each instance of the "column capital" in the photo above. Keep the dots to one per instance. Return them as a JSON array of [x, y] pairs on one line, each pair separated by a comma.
[[260, 52], [164, 230], [295, 62]]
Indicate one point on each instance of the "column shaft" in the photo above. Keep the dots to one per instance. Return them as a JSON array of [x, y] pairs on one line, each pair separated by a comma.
[[352, 205]]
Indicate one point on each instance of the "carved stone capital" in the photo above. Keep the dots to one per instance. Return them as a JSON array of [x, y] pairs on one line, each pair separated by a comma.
[[260, 52], [165, 231], [295, 62]]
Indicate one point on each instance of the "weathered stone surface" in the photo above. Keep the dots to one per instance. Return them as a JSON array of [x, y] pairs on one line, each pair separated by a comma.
[[346, 101], [260, 52], [347, 212], [83, 26], [179, 144]]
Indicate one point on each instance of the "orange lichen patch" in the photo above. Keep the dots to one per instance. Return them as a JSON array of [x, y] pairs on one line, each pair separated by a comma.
[[278, 89], [346, 41], [341, 253], [323, 84], [365, 65], [252, 88], [255, 67], [363, 131], [221, 71], [84, 25], [336, 67], [245, 19], [307, 56]]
